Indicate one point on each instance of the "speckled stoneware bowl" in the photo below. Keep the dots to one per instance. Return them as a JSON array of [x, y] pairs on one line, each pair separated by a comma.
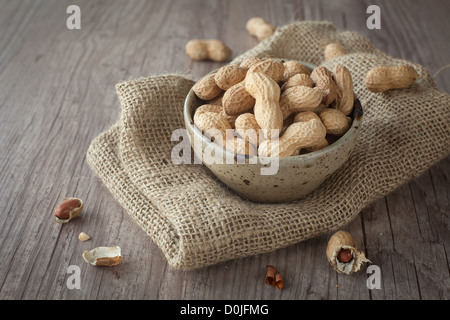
[[288, 178]]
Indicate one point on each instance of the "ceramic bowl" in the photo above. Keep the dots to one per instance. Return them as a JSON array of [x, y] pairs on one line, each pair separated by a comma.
[[271, 180]]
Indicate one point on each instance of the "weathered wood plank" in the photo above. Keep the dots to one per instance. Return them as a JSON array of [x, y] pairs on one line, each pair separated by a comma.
[[57, 93]]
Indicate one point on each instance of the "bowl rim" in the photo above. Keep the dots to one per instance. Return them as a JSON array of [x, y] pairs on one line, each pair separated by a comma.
[[357, 115]]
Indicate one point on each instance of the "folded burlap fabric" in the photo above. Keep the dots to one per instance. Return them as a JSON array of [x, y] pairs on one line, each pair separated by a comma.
[[196, 221]]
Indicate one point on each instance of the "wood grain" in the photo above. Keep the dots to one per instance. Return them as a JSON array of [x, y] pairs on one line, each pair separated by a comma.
[[57, 93]]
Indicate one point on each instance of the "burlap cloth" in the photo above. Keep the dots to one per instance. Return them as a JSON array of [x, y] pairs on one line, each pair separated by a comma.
[[196, 221]]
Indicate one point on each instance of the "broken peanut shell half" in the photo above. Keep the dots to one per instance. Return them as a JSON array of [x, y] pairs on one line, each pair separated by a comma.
[[83, 236], [68, 209], [103, 256], [342, 253]]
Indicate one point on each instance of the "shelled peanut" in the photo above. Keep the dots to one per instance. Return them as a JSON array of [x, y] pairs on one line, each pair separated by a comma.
[[309, 108]]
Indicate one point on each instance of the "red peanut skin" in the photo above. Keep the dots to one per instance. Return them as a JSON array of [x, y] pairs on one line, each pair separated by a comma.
[[62, 211]]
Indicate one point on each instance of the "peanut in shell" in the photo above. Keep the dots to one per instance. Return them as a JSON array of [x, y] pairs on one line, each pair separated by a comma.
[[384, 78], [333, 50], [341, 244]]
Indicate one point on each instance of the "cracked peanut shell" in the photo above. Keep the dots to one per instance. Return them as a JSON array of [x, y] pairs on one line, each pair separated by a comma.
[[342, 253], [103, 256], [67, 210]]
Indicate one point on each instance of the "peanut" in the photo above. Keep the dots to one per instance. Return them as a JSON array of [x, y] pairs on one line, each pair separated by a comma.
[[300, 104], [246, 125], [333, 50], [384, 78], [212, 123], [318, 146], [298, 135], [345, 97], [342, 253], [208, 108], [292, 67], [286, 123], [247, 63], [267, 96], [319, 109], [67, 210], [323, 79], [260, 28], [299, 79], [335, 121], [242, 147], [217, 101], [237, 100], [229, 75], [304, 117], [345, 255], [213, 49], [206, 88], [271, 67], [298, 99], [217, 109]]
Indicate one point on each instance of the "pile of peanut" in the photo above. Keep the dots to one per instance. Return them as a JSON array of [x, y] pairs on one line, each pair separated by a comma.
[[308, 109]]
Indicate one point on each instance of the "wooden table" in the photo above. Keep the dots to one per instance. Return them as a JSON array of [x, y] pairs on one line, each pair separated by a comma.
[[57, 93]]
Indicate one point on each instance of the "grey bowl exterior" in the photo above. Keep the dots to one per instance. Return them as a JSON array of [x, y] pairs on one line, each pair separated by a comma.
[[294, 177]]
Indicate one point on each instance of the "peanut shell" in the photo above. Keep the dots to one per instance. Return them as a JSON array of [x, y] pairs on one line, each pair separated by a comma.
[[237, 100], [248, 62], [323, 79], [342, 240], [299, 79], [103, 256], [267, 96], [336, 122], [67, 210], [345, 98], [306, 116], [384, 78], [208, 49], [212, 123], [227, 76], [271, 67], [298, 135], [217, 109], [206, 88], [292, 67], [247, 121], [333, 50], [259, 28], [298, 99]]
